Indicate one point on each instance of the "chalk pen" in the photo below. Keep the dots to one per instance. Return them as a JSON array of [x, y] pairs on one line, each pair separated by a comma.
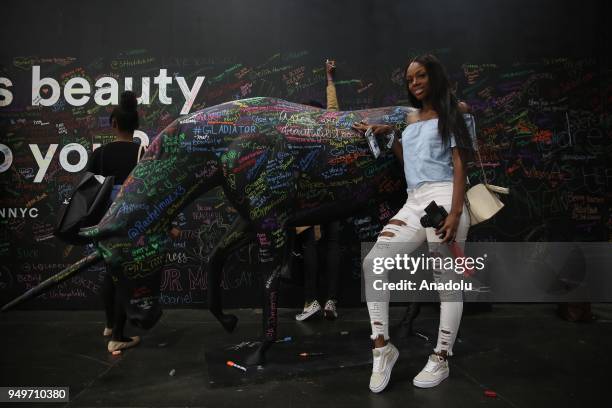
[[286, 339], [422, 336], [311, 354], [232, 364]]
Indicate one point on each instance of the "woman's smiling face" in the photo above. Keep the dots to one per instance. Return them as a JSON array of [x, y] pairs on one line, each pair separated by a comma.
[[418, 81]]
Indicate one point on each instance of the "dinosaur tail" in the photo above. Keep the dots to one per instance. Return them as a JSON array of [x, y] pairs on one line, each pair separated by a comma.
[[59, 277]]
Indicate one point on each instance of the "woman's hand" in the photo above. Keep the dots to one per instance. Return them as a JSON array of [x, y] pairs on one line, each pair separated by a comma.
[[360, 126], [463, 107], [448, 231], [379, 130], [330, 68], [376, 129]]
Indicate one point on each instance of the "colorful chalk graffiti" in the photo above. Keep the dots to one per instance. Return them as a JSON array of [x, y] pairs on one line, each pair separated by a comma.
[[280, 164], [544, 130]]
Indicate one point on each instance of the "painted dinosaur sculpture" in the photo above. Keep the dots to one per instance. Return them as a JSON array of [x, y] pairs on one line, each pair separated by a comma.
[[280, 164]]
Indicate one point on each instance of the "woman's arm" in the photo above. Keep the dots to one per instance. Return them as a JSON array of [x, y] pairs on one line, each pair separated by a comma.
[[397, 150], [448, 231], [332, 99], [396, 147], [459, 177]]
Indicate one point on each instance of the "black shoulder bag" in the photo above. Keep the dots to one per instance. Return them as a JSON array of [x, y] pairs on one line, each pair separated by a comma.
[[88, 204]]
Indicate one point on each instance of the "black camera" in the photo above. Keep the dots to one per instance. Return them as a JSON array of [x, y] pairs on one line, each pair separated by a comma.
[[434, 216]]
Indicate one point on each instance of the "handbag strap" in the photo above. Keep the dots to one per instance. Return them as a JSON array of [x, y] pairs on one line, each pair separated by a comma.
[[495, 189], [141, 150], [484, 175], [473, 132]]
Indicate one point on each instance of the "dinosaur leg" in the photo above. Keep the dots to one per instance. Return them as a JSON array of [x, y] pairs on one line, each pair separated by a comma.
[[271, 249], [265, 195], [235, 238]]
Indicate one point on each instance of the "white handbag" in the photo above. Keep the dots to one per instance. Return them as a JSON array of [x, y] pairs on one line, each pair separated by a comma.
[[482, 200]]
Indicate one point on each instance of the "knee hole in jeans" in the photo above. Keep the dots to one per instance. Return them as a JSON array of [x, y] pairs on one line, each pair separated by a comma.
[[391, 228]]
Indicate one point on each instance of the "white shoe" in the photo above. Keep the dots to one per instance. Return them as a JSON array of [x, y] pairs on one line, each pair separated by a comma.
[[330, 311], [383, 360], [435, 371], [309, 309]]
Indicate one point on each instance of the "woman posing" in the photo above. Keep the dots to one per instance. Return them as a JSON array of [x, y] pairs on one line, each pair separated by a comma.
[[434, 148]]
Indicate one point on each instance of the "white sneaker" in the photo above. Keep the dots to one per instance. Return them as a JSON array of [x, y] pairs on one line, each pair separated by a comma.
[[435, 371], [330, 311], [383, 360], [309, 309]]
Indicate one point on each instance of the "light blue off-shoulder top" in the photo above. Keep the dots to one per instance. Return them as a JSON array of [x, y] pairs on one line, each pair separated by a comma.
[[426, 157]]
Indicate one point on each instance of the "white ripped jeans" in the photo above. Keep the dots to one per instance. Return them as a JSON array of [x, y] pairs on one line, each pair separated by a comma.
[[410, 235]]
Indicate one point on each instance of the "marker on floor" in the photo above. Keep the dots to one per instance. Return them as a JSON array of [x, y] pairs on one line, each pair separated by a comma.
[[285, 340], [422, 336], [232, 364], [311, 354]]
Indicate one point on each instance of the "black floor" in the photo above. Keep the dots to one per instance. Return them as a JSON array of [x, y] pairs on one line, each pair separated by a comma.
[[528, 356]]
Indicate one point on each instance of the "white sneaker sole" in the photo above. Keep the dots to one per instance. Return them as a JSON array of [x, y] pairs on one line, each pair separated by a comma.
[[382, 386], [303, 316], [430, 384]]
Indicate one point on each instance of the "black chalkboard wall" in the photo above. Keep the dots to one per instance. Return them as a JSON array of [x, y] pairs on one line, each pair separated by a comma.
[[536, 74]]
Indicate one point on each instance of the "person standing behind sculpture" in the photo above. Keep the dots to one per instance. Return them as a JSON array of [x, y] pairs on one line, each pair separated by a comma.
[[117, 159], [331, 234]]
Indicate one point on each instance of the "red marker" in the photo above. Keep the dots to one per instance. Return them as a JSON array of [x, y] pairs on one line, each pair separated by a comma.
[[490, 393], [232, 364]]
